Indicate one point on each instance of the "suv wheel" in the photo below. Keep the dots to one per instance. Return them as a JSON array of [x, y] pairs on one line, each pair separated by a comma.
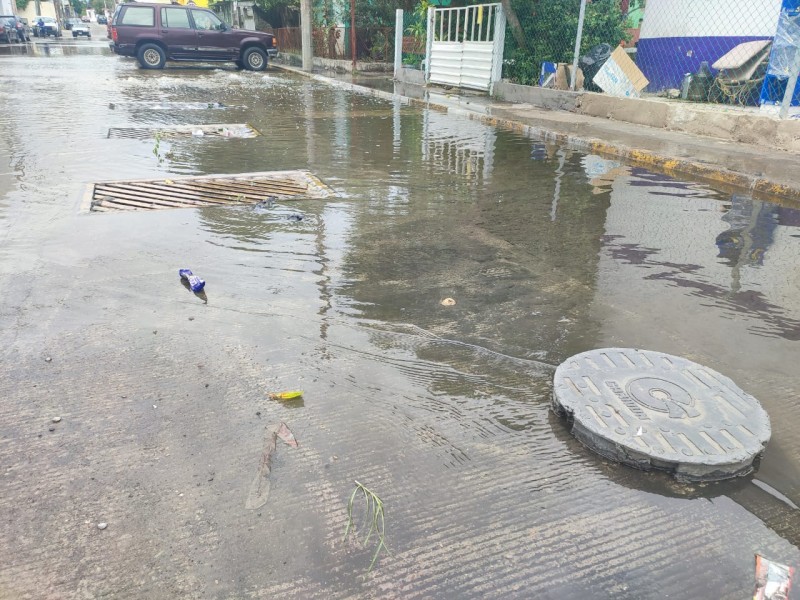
[[255, 59], [151, 56]]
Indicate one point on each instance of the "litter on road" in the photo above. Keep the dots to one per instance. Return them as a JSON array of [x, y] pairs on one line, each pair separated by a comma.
[[195, 283]]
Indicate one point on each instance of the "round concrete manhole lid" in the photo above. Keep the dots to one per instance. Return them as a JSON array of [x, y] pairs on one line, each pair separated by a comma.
[[653, 410]]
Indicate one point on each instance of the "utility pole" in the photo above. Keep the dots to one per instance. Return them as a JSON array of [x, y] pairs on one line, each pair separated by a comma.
[[306, 21]]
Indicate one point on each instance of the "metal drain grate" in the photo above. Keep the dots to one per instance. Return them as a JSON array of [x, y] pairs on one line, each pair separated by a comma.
[[207, 190], [233, 130]]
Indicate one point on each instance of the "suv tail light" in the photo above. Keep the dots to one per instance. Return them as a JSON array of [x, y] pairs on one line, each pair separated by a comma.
[[114, 33], [274, 42]]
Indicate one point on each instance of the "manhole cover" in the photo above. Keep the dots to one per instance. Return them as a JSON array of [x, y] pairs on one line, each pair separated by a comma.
[[206, 190], [652, 410], [228, 130]]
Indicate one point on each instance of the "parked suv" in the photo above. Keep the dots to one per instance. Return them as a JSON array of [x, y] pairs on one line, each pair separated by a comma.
[[156, 33]]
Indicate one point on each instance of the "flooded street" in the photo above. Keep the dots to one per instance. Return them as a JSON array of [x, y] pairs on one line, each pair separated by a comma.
[[443, 411]]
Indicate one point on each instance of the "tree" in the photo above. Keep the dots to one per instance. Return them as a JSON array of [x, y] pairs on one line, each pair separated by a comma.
[[22, 4], [78, 6]]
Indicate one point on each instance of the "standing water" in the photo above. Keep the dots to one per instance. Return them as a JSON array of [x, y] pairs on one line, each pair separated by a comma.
[[441, 409]]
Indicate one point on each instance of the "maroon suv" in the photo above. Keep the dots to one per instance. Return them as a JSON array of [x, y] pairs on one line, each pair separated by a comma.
[[156, 33]]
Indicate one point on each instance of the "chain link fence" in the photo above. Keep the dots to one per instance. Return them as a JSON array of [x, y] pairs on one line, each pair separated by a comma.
[[734, 52]]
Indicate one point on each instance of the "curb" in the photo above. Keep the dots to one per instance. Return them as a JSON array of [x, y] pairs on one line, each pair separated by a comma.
[[721, 177]]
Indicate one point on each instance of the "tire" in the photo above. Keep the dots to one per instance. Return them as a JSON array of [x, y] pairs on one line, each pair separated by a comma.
[[75, 35], [254, 59], [151, 56], [239, 64]]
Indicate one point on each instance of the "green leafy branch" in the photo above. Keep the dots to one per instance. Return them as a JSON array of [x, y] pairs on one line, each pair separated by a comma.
[[374, 515]]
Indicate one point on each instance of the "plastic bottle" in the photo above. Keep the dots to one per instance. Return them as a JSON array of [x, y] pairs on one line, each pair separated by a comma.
[[195, 283]]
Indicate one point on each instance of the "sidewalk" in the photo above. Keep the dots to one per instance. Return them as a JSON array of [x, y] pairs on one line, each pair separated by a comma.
[[733, 166]]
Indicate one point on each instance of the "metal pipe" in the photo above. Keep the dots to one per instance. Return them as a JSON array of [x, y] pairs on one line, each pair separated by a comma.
[[305, 33], [398, 42], [429, 43], [578, 36], [353, 32], [790, 85]]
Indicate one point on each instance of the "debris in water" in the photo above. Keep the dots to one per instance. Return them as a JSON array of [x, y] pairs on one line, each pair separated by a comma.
[[295, 217], [169, 182], [639, 432], [48, 359], [448, 302], [195, 283], [286, 395], [773, 580], [102, 525], [287, 436], [198, 133], [268, 202], [374, 515], [56, 419], [260, 486]]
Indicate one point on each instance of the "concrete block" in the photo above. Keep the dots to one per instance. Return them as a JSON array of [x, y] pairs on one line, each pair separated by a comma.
[[651, 113], [537, 96], [414, 76], [788, 135]]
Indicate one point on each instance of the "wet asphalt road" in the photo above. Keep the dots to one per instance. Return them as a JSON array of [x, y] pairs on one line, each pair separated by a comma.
[[443, 411]]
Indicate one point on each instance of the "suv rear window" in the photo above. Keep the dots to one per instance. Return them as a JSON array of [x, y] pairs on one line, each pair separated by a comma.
[[138, 15]]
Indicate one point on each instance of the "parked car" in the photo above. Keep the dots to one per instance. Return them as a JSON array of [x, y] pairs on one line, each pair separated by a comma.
[[81, 29], [155, 33], [50, 27], [8, 30], [22, 30], [85, 19], [101, 20]]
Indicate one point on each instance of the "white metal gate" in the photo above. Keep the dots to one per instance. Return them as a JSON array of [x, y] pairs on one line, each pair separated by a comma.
[[465, 46]]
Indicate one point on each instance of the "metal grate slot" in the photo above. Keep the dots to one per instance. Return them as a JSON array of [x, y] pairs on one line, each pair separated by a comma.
[[207, 190], [228, 130]]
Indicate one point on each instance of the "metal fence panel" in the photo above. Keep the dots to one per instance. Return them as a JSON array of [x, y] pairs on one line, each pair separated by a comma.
[[463, 49]]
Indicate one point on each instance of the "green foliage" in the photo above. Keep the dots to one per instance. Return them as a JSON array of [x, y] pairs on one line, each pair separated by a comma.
[[22, 4], [78, 6], [550, 27], [419, 22], [278, 4]]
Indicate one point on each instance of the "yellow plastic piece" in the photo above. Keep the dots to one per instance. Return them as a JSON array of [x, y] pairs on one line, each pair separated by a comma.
[[286, 395]]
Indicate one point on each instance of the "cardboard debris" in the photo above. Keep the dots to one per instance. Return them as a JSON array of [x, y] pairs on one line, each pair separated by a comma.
[[557, 76], [619, 76]]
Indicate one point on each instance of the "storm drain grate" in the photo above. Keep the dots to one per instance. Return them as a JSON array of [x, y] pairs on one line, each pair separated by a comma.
[[206, 190], [234, 130]]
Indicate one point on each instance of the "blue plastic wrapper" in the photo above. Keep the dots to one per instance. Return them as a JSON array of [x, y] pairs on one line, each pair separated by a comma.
[[194, 281]]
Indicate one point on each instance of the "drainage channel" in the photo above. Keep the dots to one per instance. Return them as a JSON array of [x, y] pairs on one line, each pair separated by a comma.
[[233, 130], [206, 190]]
